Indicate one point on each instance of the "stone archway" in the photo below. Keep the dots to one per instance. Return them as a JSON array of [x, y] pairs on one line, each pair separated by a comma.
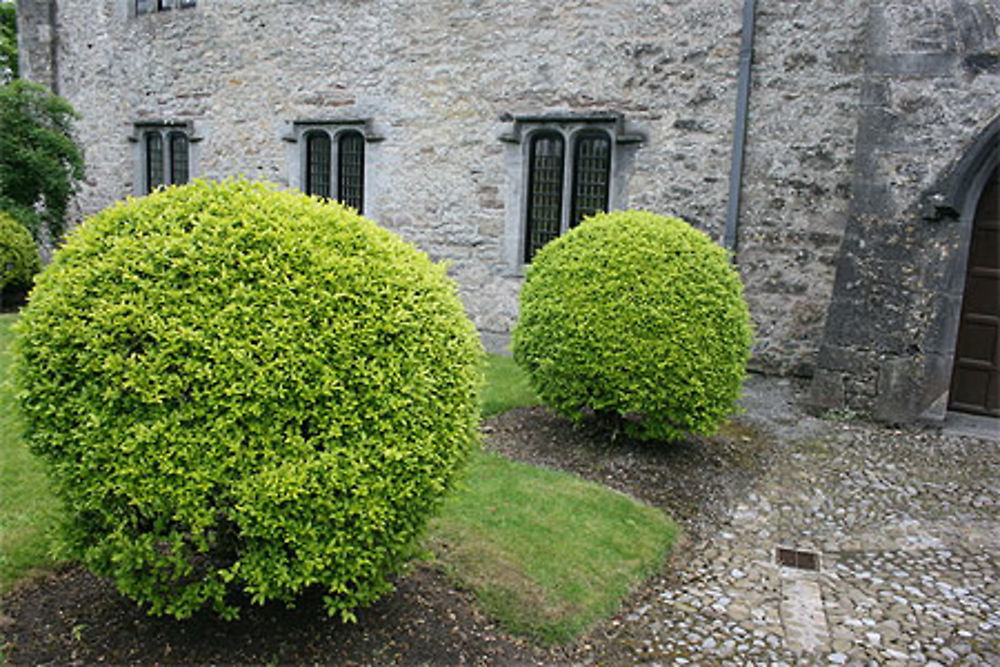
[[958, 196], [975, 384], [893, 321]]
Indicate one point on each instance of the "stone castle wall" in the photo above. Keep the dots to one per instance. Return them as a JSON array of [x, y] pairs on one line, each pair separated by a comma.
[[839, 113], [438, 78]]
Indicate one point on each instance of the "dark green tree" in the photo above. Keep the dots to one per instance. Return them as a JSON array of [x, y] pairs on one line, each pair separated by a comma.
[[8, 41], [39, 160]]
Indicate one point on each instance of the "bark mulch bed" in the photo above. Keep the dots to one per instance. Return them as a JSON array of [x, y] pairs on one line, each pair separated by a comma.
[[72, 617]]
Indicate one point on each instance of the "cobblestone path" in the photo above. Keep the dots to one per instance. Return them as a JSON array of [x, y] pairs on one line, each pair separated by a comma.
[[907, 532]]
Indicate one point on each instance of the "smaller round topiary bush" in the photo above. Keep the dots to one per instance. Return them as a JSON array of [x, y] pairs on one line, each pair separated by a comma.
[[637, 317], [243, 393], [19, 261]]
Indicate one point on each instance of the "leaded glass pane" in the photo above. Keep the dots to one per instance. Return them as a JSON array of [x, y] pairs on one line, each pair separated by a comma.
[[154, 161], [179, 171], [318, 164], [351, 169], [545, 185], [591, 176]]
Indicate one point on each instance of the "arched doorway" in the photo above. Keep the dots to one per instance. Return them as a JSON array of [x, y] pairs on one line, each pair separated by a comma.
[[975, 385]]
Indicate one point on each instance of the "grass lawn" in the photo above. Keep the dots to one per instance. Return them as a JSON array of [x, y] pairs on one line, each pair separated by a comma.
[[545, 552], [27, 509], [506, 387]]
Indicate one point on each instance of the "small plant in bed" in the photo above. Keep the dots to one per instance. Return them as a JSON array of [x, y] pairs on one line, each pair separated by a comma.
[[241, 392]]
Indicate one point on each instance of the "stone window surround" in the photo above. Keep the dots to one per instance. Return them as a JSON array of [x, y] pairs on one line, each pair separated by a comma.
[[625, 139], [296, 156], [142, 128], [141, 7]]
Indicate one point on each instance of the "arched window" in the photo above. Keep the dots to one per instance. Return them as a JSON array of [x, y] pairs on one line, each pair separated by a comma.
[[564, 168], [591, 175], [164, 154], [351, 169], [179, 170], [318, 164], [154, 161], [545, 191], [329, 159]]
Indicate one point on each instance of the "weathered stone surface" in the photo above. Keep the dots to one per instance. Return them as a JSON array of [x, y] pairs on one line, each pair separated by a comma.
[[827, 390], [922, 112], [858, 112]]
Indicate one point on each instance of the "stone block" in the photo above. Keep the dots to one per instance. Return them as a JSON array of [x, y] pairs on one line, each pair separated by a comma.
[[826, 392], [899, 391], [937, 385], [835, 358]]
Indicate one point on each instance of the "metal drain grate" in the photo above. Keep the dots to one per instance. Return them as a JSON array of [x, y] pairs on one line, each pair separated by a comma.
[[800, 560]]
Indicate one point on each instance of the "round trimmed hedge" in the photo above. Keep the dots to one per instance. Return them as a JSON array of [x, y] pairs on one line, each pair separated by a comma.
[[242, 393], [19, 261], [637, 317]]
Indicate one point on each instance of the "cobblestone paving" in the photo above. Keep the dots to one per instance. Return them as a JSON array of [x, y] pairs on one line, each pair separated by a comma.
[[907, 529]]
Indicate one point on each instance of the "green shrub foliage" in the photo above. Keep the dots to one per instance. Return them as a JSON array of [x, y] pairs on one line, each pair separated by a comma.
[[242, 393], [637, 317], [40, 162], [19, 261]]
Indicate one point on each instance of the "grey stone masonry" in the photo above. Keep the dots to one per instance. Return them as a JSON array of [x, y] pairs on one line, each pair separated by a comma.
[[927, 130], [857, 109]]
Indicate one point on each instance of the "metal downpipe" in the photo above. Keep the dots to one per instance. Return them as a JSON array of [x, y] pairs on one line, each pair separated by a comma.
[[740, 126]]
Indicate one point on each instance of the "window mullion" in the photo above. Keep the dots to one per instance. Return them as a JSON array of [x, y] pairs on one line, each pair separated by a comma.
[[336, 166], [165, 155], [567, 185]]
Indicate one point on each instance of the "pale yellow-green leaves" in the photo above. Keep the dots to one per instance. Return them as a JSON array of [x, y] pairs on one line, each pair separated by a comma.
[[637, 317], [244, 390]]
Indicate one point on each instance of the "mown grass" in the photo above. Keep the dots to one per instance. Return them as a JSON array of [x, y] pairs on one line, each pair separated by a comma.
[[545, 552], [506, 387], [28, 511]]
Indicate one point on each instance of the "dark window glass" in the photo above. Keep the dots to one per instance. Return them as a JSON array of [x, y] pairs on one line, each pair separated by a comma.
[[162, 4], [591, 175], [184, 4], [145, 6], [351, 169], [318, 164], [545, 185], [154, 161], [178, 158]]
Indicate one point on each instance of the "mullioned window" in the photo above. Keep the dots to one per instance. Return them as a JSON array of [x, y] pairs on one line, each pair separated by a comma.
[[151, 6], [164, 154], [330, 159], [563, 168]]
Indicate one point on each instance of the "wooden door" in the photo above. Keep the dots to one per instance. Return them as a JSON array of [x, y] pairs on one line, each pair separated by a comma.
[[975, 385]]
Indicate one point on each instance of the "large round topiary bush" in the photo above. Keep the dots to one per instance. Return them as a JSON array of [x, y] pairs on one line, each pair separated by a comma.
[[638, 317], [242, 393], [19, 261]]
